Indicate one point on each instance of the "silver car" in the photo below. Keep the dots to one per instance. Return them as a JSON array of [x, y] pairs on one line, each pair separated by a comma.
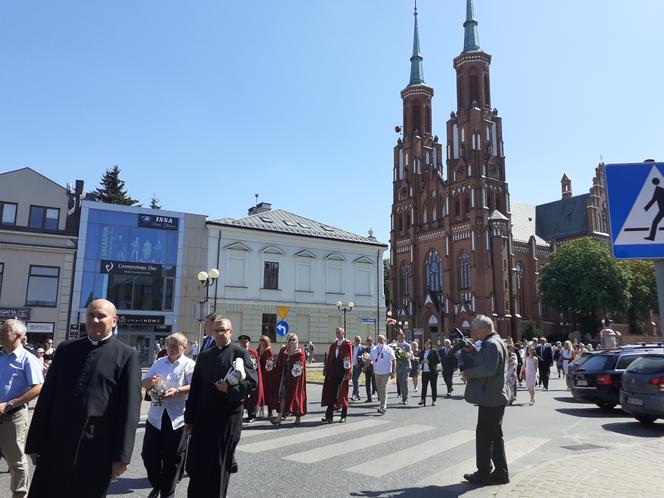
[[642, 393]]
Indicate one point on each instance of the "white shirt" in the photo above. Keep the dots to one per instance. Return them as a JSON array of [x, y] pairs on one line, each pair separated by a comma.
[[425, 363], [175, 374], [382, 355]]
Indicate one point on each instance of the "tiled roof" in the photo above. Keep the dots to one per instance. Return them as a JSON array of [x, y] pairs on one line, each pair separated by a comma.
[[285, 222], [562, 218], [524, 223]]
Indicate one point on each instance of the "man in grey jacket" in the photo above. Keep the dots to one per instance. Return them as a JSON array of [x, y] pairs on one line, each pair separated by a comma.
[[486, 388]]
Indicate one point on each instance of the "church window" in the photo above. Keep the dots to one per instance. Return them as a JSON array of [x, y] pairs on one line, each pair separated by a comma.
[[424, 215], [401, 165], [416, 118], [399, 222], [457, 205], [474, 87], [427, 124], [463, 135], [434, 214], [464, 270], [487, 91], [455, 142], [433, 272], [520, 303], [404, 280], [435, 156], [466, 202]]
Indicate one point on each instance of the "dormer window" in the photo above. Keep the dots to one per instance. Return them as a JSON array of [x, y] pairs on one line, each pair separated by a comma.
[[44, 217]]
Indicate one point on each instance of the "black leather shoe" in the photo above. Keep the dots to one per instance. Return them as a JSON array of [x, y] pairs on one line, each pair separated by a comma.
[[154, 493], [326, 420], [477, 478], [497, 478], [342, 420]]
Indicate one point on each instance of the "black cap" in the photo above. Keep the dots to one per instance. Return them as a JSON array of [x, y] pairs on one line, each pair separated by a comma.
[[244, 337]]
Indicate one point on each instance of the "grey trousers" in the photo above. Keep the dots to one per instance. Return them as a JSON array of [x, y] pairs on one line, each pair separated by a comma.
[[381, 389], [402, 381], [13, 429]]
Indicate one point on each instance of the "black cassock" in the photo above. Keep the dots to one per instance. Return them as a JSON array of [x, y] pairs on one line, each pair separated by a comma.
[[85, 419], [216, 419]]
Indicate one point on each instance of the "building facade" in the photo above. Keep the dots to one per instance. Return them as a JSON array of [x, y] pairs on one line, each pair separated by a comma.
[[145, 261], [274, 261], [38, 240], [459, 246]]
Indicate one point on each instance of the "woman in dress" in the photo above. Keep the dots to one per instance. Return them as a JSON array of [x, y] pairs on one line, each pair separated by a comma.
[[270, 387], [568, 357], [292, 364], [415, 364], [531, 372]]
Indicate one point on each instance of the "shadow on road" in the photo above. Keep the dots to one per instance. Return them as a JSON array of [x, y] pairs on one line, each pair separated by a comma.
[[634, 428], [569, 400], [128, 486], [452, 490], [592, 412]]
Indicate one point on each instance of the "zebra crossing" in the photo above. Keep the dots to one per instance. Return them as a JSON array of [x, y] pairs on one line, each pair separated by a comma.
[[276, 444]]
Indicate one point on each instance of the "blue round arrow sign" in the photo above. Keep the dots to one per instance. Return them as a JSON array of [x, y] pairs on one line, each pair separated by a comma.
[[282, 328]]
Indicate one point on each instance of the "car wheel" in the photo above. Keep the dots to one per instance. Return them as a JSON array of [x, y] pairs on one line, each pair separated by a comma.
[[606, 406], [645, 419]]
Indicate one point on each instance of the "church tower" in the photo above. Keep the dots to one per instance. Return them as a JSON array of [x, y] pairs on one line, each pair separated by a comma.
[[479, 209]]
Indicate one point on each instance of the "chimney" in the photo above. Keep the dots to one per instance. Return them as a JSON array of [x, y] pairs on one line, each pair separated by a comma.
[[263, 207], [566, 185]]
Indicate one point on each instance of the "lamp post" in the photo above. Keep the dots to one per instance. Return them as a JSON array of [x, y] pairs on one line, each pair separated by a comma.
[[207, 280], [345, 308], [404, 325]]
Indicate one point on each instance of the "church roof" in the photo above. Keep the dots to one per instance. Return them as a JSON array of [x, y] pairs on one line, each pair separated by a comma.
[[471, 38], [524, 222], [497, 215], [416, 69], [563, 218], [284, 222]]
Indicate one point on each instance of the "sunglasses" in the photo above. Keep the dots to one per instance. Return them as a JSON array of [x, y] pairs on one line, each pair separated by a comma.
[[292, 340]]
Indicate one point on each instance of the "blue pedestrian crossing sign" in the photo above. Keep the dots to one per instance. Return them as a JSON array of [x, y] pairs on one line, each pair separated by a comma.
[[636, 210], [282, 328]]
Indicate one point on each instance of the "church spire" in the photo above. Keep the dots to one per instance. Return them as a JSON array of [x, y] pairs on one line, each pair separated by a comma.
[[471, 38], [416, 71]]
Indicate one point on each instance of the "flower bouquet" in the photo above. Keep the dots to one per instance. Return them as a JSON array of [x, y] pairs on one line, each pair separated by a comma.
[[400, 353]]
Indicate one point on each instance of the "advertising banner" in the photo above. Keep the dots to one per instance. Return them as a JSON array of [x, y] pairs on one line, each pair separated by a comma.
[[157, 221], [113, 267]]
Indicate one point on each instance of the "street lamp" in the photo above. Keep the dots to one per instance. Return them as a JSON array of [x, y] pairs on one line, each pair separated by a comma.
[[404, 326], [345, 309], [207, 280]]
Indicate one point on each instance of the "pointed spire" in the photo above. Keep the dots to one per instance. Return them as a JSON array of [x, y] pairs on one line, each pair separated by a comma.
[[416, 71], [471, 38]]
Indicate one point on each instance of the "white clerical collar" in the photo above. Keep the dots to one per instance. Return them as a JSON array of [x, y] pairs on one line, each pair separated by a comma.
[[340, 342], [95, 343]]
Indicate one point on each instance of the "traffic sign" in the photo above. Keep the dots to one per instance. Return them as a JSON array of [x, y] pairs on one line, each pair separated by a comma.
[[368, 321], [283, 311], [636, 209], [282, 328]]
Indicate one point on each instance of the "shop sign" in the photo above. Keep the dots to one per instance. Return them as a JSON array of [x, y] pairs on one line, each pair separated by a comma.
[[40, 327], [113, 267], [141, 320], [158, 221], [20, 313]]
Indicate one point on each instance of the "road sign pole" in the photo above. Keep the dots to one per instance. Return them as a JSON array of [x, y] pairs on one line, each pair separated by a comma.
[[659, 273]]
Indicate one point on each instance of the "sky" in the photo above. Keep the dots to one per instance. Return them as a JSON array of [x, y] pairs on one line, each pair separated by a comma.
[[207, 103]]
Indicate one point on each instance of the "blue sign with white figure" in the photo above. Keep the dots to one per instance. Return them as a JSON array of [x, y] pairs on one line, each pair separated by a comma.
[[282, 328], [636, 209]]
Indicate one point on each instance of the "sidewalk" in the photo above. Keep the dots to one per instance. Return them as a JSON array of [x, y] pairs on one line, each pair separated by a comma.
[[634, 471]]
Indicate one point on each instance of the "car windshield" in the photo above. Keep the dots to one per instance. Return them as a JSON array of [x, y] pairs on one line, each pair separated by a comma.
[[598, 362], [648, 365], [580, 360], [626, 360]]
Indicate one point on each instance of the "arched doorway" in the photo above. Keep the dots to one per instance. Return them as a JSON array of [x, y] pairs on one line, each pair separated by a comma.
[[433, 329]]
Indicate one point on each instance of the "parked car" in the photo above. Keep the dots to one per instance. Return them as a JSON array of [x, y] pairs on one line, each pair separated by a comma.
[[642, 393], [578, 361], [598, 379]]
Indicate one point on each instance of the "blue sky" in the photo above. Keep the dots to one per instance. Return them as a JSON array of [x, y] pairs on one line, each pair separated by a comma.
[[206, 103]]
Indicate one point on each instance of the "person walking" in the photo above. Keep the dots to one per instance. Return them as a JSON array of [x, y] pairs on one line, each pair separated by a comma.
[[530, 372], [337, 372], [293, 385], [449, 365], [369, 377], [545, 355], [415, 365], [84, 425], [21, 379], [512, 374], [223, 377], [169, 380], [255, 399], [384, 368], [486, 388], [268, 374], [567, 358], [429, 361], [358, 366], [404, 357]]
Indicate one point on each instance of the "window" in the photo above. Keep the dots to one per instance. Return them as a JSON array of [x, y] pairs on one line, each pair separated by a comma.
[[271, 275], [433, 272], [334, 277], [363, 280], [520, 303], [464, 270], [8, 213], [625, 361], [269, 326], [303, 272], [44, 217], [237, 261], [404, 280], [43, 286]]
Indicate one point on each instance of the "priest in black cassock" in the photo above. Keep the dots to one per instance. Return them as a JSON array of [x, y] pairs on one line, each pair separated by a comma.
[[83, 428], [223, 378]]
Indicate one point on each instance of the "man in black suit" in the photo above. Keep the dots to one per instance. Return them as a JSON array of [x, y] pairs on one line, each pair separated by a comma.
[[449, 363], [545, 353]]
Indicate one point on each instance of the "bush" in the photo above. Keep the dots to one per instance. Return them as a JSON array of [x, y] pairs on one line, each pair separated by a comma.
[[530, 330]]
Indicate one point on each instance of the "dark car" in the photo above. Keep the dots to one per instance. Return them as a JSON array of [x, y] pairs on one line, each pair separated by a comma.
[[642, 393], [578, 361], [598, 379]]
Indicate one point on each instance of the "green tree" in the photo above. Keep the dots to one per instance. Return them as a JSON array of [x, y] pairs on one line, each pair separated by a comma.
[[387, 280], [530, 330], [112, 189], [643, 293], [154, 202], [582, 278]]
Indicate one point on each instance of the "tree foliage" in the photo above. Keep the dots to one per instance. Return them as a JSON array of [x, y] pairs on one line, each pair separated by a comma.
[[387, 280], [643, 294], [154, 202], [582, 278], [112, 189]]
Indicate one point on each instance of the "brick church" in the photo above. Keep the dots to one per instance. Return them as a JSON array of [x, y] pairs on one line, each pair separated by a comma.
[[459, 245]]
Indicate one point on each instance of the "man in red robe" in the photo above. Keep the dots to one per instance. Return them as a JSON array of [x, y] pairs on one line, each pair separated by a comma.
[[255, 399], [338, 371]]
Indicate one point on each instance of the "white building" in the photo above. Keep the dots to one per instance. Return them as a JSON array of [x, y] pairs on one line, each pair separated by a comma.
[[276, 258]]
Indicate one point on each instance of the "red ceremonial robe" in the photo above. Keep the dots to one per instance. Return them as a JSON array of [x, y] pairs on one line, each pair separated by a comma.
[[255, 399], [338, 366], [295, 378], [270, 380]]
